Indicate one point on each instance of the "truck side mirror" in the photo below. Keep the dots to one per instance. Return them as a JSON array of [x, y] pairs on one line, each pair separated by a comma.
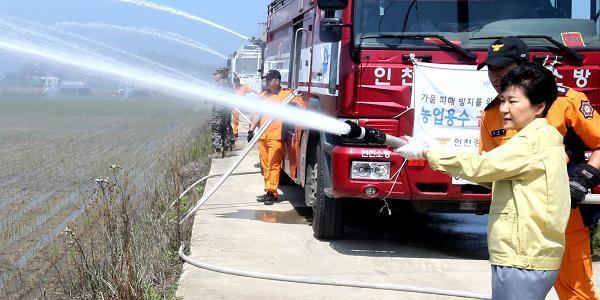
[[332, 4], [330, 30]]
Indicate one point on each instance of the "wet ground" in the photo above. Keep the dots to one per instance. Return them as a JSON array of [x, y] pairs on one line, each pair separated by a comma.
[[403, 234]]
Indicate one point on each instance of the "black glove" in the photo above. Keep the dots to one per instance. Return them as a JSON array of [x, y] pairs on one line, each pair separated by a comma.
[[250, 135], [584, 178]]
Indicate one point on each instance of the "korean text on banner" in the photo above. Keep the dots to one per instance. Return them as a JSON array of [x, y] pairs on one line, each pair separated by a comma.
[[448, 101]]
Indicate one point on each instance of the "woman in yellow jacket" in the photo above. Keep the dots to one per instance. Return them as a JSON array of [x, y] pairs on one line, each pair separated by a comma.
[[530, 186], [574, 117]]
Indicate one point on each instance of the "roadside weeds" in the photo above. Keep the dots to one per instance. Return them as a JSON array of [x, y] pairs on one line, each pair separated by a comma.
[[120, 247]]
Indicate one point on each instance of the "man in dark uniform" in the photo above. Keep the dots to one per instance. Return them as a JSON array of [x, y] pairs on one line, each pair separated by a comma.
[[220, 124]]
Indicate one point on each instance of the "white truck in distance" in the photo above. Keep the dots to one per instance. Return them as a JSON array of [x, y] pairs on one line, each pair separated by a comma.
[[246, 64]]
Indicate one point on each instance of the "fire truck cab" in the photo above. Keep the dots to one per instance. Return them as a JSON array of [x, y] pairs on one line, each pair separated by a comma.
[[246, 64], [351, 60]]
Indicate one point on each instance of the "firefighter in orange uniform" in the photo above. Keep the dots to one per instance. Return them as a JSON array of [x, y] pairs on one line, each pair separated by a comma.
[[270, 143], [240, 90], [574, 117]]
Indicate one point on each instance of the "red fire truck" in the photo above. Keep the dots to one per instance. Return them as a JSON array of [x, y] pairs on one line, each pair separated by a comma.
[[336, 51]]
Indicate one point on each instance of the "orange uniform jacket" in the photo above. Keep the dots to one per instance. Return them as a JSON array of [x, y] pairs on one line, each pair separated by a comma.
[[243, 90], [572, 114], [274, 130]]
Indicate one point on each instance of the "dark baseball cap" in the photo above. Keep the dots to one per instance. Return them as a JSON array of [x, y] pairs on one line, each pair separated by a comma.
[[505, 51], [272, 74], [220, 71]]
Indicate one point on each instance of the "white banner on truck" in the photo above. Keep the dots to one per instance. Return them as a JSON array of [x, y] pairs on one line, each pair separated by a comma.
[[448, 101]]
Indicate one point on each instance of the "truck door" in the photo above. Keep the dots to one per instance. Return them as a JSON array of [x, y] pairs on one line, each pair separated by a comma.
[[299, 77], [299, 37]]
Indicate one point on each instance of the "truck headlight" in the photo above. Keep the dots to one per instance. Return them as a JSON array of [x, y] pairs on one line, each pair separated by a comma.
[[374, 170]]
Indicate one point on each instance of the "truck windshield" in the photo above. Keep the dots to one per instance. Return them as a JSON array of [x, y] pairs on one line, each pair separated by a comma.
[[246, 66], [474, 23]]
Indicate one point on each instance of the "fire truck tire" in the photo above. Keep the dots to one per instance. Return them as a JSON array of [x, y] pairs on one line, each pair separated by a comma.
[[328, 222], [284, 179]]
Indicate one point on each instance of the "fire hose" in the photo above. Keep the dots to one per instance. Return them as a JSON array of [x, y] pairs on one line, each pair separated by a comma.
[[243, 115], [369, 135], [325, 281], [591, 199]]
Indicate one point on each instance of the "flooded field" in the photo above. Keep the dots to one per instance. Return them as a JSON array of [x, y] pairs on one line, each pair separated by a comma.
[[51, 150]]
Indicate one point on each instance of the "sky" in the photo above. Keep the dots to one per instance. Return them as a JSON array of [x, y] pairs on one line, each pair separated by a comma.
[[242, 16]]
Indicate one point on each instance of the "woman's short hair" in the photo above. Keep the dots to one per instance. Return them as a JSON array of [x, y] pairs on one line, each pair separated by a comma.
[[537, 83]]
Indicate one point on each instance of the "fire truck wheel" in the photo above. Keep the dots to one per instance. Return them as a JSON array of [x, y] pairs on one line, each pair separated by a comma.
[[327, 212], [284, 179]]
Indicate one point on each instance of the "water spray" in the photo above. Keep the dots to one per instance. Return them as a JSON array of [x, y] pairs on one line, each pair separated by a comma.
[[243, 115], [186, 90], [39, 35], [25, 30], [177, 38], [135, 56], [24, 45], [300, 117], [184, 14]]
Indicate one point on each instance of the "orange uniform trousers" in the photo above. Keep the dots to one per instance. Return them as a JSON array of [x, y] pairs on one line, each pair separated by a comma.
[[575, 276], [236, 121], [241, 91], [271, 155]]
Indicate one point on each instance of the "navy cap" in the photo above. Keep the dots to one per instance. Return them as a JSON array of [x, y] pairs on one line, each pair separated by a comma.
[[272, 74], [506, 51], [223, 71]]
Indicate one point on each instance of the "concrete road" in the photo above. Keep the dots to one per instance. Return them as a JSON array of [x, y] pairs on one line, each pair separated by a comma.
[[446, 251]]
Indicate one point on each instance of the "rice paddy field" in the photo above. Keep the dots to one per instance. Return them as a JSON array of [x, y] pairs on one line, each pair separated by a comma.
[[52, 150]]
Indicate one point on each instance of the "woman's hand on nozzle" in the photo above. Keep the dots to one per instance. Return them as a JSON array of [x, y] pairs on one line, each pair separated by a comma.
[[413, 150]]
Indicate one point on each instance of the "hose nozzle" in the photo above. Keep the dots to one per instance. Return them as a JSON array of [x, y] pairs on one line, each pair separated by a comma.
[[372, 135], [356, 132]]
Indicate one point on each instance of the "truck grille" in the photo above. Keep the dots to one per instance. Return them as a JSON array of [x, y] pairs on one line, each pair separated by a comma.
[[432, 187], [474, 189]]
